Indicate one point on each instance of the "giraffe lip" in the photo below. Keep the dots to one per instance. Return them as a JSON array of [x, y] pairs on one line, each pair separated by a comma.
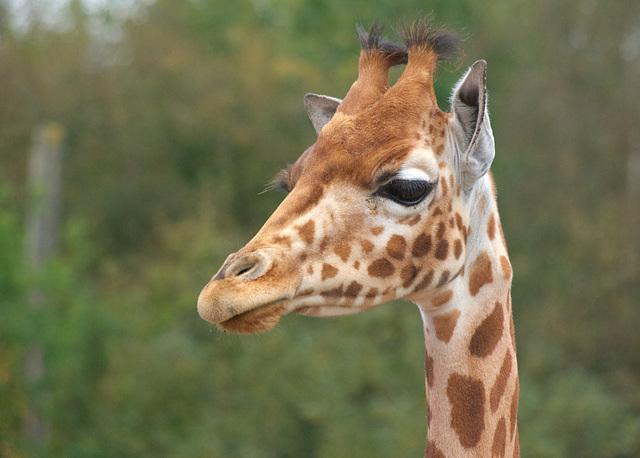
[[304, 310], [256, 320]]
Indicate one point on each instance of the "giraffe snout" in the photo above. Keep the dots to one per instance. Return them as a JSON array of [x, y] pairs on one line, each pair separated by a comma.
[[248, 294]]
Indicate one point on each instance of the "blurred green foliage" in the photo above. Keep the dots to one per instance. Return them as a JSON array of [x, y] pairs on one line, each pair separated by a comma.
[[179, 113]]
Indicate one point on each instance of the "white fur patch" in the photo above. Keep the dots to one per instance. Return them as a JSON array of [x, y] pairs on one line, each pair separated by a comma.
[[413, 173]]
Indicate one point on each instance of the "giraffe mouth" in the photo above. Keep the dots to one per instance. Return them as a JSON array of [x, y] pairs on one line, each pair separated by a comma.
[[256, 320]]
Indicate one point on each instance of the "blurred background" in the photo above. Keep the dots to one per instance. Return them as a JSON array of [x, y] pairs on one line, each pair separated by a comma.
[[165, 120]]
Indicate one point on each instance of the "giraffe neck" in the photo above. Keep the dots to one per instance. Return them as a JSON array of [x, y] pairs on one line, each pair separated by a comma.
[[471, 371]]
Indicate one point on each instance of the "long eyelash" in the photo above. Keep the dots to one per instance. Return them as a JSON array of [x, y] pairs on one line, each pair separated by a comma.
[[281, 182], [416, 185]]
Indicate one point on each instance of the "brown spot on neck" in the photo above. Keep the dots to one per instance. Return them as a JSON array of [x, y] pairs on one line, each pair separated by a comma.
[[445, 324], [511, 325], [514, 412], [497, 391], [428, 364], [491, 227], [480, 273], [499, 439], [466, 396], [506, 267], [488, 334]]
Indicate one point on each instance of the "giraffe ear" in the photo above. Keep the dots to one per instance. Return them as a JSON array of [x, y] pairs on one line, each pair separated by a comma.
[[471, 126], [320, 109]]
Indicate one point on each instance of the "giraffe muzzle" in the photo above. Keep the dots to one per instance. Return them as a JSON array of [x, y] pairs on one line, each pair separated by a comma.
[[247, 295]]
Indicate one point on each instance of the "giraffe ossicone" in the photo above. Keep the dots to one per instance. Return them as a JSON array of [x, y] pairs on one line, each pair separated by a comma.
[[393, 200]]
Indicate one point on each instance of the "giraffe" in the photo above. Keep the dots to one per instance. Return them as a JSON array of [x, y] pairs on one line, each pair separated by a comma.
[[395, 200]]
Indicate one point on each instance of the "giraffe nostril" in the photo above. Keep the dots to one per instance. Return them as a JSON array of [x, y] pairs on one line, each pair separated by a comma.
[[248, 267], [240, 270], [243, 271]]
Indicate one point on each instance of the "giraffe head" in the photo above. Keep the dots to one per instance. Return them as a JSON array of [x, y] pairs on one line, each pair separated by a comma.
[[377, 206]]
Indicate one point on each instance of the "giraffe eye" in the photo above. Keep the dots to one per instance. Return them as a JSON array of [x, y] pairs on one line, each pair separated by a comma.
[[406, 192]]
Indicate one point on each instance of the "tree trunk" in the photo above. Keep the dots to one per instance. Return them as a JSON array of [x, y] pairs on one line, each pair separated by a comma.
[[43, 222]]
